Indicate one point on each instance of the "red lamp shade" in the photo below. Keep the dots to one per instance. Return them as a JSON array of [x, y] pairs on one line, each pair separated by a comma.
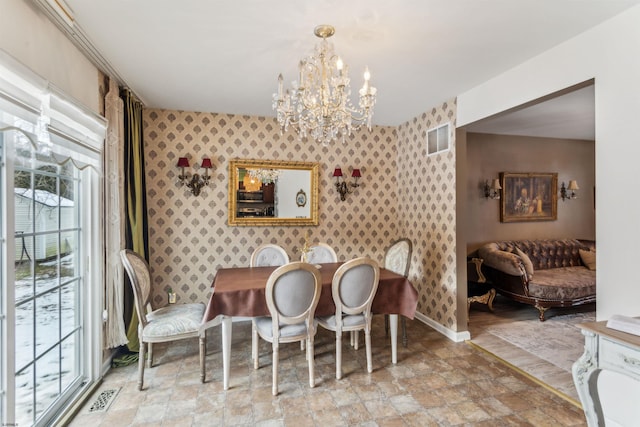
[[206, 163], [356, 173], [337, 172], [183, 162]]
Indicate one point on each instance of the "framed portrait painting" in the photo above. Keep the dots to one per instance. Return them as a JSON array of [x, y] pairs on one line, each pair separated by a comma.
[[528, 196]]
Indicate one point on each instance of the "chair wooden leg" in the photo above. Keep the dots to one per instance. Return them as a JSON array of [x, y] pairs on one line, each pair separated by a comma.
[[203, 355], [141, 362], [367, 344], [302, 345], [338, 355], [274, 363], [310, 358], [356, 339], [254, 345], [150, 357]]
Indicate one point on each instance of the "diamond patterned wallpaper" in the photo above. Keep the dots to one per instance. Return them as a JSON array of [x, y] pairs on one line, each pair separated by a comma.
[[427, 204], [190, 238]]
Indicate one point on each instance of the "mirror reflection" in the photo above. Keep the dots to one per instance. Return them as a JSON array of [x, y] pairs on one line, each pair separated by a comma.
[[270, 192]]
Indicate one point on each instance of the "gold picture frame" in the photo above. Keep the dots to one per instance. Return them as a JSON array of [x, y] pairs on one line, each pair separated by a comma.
[[282, 207], [531, 196]]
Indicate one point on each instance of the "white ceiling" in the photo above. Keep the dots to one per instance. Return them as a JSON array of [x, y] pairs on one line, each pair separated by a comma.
[[571, 116], [225, 55]]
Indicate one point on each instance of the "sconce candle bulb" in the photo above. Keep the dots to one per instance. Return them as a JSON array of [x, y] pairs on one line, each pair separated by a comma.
[[342, 187], [196, 181]]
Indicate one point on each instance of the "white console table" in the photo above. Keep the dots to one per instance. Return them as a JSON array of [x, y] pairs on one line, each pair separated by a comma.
[[604, 349]]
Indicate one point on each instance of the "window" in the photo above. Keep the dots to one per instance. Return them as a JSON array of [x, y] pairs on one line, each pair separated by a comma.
[[438, 139], [49, 286], [52, 252]]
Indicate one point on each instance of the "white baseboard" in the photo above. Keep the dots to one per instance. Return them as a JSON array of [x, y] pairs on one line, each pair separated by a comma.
[[452, 335]]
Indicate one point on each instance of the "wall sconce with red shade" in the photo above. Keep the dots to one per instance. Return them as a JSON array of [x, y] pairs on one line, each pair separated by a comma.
[[196, 181], [342, 187]]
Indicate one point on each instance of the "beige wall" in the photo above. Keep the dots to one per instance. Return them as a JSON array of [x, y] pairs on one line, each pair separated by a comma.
[[30, 37], [189, 238], [426, 214], [488, 155], [600, 53]]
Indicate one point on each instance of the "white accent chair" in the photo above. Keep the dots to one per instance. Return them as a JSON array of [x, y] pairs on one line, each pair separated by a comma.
[[353, 287], [292, 293], [321, 253], [397, 258], [170, 323], [268, 255]]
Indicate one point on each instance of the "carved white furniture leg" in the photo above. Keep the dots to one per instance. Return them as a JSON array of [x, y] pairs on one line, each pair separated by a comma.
[[583, 376], [609, 350]]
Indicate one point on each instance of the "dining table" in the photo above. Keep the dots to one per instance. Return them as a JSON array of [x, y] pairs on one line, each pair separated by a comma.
[[240, 292]]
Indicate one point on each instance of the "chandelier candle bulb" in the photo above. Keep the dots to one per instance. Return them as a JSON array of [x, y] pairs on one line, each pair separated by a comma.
[[301, 66]]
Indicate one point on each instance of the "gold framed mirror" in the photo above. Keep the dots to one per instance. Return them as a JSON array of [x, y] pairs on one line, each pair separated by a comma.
[[272, 192]]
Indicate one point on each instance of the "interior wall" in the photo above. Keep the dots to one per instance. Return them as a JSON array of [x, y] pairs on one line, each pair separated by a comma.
[[605, 54], [31, 38], [488, 155], [189, 239], [427, 213]]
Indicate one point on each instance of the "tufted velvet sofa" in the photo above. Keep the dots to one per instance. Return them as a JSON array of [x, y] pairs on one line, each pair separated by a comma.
[[556, 275]]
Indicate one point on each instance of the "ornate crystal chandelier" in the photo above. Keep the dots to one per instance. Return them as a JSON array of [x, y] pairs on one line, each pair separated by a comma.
[[319, 104], [266, 176]]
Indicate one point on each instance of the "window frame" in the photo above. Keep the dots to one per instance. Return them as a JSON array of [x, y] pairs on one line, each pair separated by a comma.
[[31, 105]]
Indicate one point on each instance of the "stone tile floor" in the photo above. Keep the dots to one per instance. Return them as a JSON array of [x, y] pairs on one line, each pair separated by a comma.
[[436, 382]]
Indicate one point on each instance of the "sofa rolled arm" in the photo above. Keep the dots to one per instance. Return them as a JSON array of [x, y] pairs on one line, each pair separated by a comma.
[[507, 262]]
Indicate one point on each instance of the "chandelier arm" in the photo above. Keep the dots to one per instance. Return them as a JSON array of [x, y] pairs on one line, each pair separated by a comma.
[[320, 105]]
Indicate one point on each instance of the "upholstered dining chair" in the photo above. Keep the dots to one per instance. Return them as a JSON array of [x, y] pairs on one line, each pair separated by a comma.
[[321, 253], [171, 323], [397, 258], [292, 293], [268, 255], [353, 287]]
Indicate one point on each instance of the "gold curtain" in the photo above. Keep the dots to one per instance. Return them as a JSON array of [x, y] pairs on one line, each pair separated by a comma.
[[135, 199]]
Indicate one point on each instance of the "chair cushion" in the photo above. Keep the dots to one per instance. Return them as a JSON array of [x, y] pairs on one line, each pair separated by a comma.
[[265, 328], [347, 321], [565, 283], [293, 292], [174, 320]]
